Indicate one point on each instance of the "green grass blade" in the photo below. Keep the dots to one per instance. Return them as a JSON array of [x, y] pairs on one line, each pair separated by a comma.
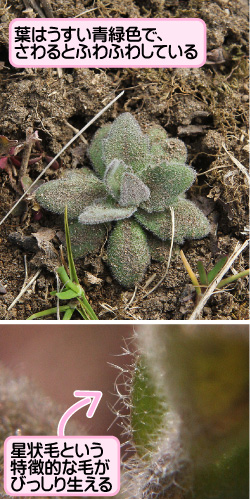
[[72, 288], [87, 308], [68, 313], [62, 275], [202, 273], [67, 295], [47, 312], [82, 313], [72, 269], [216, 269], [232, 278], [67, 282]]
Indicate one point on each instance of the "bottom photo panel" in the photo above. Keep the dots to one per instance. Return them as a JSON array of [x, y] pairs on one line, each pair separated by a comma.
[[124, 411]]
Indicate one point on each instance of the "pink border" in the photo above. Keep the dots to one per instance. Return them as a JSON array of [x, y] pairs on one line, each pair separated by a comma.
[[11, 494], [184, 19]]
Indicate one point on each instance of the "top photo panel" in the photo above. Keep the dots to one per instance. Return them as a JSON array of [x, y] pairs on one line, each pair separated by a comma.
[[124, 181]]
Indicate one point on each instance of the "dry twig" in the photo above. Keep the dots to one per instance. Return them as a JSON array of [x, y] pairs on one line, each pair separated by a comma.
[[47, 8], [23, 290], [237, 251], [238, 164]]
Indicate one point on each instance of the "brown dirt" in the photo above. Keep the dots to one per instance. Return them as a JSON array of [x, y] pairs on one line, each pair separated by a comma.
[[205, 107]]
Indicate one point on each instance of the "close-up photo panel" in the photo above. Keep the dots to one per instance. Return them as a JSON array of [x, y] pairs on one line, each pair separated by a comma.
[[124, 249], [171, 399]]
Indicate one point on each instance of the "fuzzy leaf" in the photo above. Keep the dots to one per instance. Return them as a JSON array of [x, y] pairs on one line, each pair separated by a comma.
[[105, 212], [86, 239], [193, 367], [95, 151], [124, 185], [113, 176], [190, 222], [175, 151], [128, 253], [126, 142], [172, 150], [204, 374], [157, 135], [157, 154], [133, 191], [148, 409], [77, 190], [166, 182]]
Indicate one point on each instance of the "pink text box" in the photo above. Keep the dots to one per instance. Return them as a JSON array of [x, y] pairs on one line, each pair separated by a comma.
[[107, 43], [61, 466]]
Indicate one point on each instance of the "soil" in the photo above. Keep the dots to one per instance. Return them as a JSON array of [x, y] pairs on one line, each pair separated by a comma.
[[205, 107]]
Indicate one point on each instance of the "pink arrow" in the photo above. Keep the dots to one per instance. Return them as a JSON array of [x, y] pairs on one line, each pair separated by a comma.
[[91, 398]]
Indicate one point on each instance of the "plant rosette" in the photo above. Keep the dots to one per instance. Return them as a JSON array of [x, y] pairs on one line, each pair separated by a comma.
[[135, 180]]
